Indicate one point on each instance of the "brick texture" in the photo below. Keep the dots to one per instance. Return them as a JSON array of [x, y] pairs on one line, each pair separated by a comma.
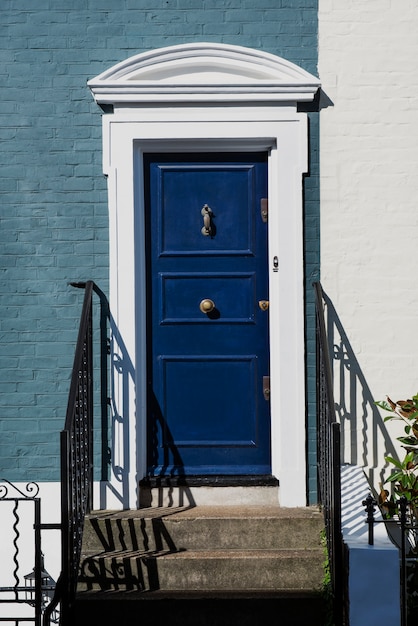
[[369, 188], [54, 225], [369, 161]]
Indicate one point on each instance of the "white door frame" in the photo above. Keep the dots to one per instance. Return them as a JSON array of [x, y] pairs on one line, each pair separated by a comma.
[[205, 97]]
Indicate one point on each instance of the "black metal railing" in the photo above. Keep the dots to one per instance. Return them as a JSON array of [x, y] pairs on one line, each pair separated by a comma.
[[76, 461], [329, 460], [77, 455], [34, 588]]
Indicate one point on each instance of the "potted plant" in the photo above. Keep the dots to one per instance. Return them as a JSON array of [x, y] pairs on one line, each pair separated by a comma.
[[404, 478]]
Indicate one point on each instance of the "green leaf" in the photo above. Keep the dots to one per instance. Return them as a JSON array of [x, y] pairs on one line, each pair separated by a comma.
[[391, 417], [383, 405], [408, 458], [408, 441], [406, 481], [394, 477], [394, 462]]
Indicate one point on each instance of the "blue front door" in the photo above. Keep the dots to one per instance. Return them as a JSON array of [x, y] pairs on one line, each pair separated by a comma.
[[208, 345]]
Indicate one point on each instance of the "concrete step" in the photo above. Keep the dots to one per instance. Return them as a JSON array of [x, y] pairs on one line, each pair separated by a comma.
[[203, 528], [218, 570], [203, 548], [202, 566], [224, 491]]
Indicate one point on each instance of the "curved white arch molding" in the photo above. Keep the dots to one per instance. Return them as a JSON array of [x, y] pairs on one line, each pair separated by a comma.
[[205, 97], [202, 71]]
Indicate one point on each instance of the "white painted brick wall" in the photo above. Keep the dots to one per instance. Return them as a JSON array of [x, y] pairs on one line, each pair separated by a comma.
[[369, 184]]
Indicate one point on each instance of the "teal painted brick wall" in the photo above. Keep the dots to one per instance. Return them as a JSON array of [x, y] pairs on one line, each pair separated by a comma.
[[54, 226]]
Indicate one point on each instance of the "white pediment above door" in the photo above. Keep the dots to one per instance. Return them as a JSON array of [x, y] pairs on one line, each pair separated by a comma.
[[204, 72]]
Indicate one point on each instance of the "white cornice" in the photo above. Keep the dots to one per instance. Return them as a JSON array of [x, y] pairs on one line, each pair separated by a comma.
[[203, 72]]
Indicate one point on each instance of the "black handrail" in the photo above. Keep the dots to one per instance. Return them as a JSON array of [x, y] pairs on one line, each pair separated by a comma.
[[77, 456], [76, 463], [329, 459]]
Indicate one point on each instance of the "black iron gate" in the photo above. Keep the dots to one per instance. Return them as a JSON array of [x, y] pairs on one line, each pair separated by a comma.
[[26, 587]]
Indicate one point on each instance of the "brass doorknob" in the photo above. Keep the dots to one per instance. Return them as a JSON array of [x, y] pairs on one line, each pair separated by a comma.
[[206, 306]]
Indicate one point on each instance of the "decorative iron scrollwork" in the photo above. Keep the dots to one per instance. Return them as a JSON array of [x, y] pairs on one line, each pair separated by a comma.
[[9, 490]]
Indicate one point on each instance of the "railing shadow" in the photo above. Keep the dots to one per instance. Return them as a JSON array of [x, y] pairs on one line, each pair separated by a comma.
[[121, 400], [126, 553], [364, 438], [117, 449]]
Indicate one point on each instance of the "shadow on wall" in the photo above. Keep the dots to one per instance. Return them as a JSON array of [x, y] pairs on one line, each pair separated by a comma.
[[122, 396], [120, 437], [364, 438]]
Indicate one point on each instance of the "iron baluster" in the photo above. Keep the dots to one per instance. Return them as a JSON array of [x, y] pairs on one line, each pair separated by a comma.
[[329, 459], [370, 504]]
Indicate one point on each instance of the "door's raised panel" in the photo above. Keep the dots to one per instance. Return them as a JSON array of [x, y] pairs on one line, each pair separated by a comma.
[[183, 191], [200, 388], [233, 295]]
